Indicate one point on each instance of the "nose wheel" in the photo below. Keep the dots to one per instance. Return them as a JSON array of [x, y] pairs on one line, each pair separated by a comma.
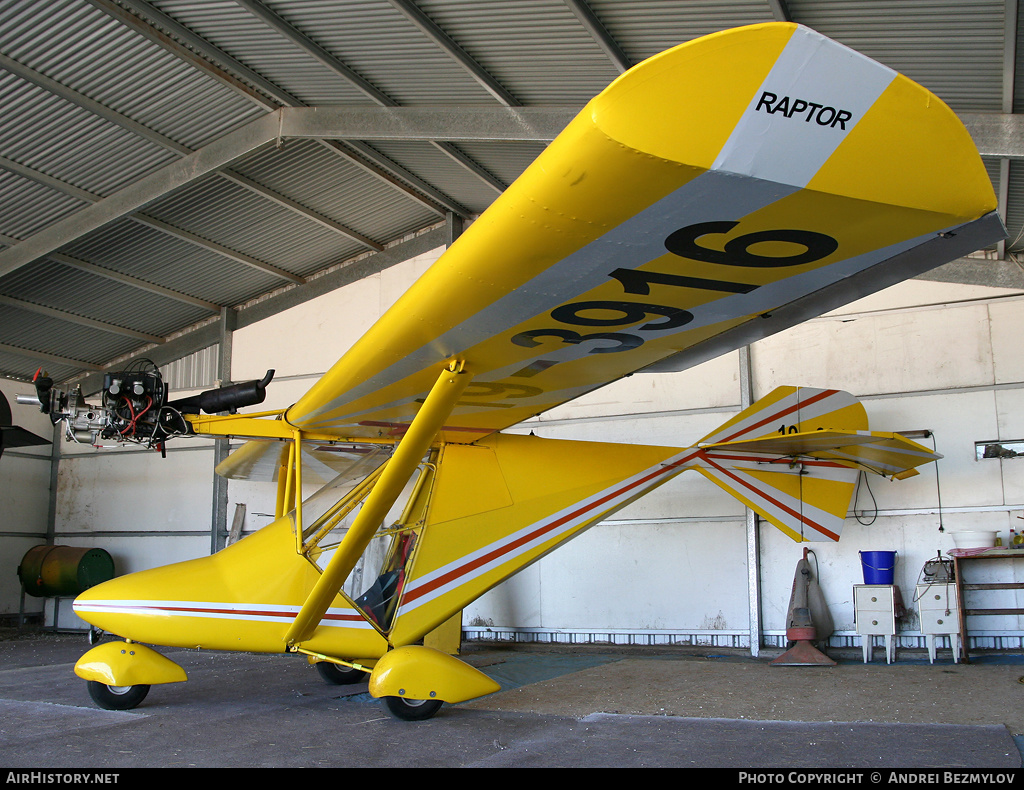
[[116, 697]]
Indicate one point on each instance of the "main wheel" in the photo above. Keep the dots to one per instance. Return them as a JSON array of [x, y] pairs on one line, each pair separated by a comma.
[[116, 697], [412, 709], [337, 675]]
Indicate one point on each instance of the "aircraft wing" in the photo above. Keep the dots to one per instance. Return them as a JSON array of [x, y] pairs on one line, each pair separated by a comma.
[[721, 191]]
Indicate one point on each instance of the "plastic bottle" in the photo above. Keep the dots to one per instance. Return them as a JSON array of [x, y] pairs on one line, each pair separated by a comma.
[[1018, 539], [999, 539]]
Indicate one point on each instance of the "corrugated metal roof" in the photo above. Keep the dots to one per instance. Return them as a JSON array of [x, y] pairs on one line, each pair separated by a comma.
[[100, 94], [953, 48]]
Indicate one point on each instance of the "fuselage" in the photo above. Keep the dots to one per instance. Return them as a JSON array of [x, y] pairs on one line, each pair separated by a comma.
[[242, 598]]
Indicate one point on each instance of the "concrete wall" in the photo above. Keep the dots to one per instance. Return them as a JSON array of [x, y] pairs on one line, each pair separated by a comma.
[[24, 498], [673, 566]]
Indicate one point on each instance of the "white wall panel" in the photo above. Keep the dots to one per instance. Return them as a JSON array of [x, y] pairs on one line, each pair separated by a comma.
[[900, 351], [1010, 417], [916, 368], [24, 495], [714, 384], [308, 337], [957, 419], [1007, 324], [312, 336], [132, 491]]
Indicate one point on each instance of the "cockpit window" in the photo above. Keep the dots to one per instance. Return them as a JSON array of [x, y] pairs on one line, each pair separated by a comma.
[[376, 582]]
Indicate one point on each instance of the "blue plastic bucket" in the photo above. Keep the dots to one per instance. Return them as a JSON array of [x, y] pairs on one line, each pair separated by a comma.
[[879, 566]]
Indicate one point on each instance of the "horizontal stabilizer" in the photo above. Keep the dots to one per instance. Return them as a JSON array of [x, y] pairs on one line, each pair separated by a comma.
[[886, 454]]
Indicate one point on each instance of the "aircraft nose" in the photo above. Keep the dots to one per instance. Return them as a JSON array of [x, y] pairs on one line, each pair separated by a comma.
[[107, 606]]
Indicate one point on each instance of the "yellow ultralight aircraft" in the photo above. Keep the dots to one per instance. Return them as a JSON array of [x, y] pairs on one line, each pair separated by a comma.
[[719, 192]]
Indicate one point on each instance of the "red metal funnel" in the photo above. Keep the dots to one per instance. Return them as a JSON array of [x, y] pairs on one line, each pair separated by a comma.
[[803, 654]]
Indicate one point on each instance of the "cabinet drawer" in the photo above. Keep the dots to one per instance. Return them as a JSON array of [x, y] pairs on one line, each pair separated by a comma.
[[869, 622], [937, 621], [936, 597], [870, 598]]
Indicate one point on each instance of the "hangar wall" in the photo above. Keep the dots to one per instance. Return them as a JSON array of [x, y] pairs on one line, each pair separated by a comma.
[[671, 568], [24, 496]]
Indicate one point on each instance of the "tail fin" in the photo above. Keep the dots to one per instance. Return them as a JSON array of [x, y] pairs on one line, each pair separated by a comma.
[[795, 455]]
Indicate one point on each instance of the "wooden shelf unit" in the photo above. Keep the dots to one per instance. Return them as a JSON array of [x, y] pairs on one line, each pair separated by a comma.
[[964, 557]]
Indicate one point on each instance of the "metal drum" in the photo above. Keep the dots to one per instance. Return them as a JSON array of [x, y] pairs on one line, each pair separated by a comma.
[[63, 571]]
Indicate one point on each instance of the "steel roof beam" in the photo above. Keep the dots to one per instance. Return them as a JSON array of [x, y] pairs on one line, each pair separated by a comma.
[[314, 50], [995, 134], [64, 315], [220, 249], [1009, 77], [120, 277], [134, 282], [433, 31], [123, 121], [208, 333], [216, 63], [198, 53], [334, 64], [208, 159], [142, 219], [600, 34], [780, 10], [451, 124], [380, 167], [25, 352]]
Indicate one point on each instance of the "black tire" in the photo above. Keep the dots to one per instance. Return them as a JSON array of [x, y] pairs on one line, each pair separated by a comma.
[[337, 675], [116, 697], [412, 709]]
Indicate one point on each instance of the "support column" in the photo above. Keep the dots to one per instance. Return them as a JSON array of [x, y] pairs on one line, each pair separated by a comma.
[[222, 447], [51, 511], [753, 537], [454, 227]]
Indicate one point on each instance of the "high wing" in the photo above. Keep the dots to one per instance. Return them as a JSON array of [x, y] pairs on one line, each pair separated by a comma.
[[721, 191]]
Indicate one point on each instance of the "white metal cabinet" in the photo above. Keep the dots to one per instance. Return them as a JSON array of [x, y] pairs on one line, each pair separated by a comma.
[[939, 614], [874, 611]]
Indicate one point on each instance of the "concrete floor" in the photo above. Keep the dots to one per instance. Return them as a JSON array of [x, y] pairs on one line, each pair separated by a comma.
[[559, 707]]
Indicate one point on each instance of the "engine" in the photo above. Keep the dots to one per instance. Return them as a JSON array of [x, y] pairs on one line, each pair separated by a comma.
[[134, 406]]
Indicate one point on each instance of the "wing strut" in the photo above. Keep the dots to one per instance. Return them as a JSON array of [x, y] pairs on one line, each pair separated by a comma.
[[410, 451]]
